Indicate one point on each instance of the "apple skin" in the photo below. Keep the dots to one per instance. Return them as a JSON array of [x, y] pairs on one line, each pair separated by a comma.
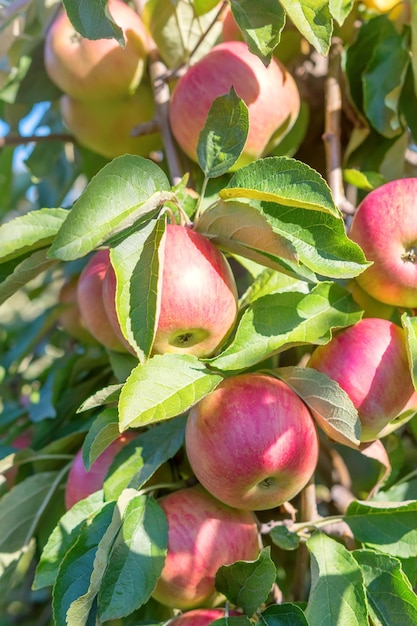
[[97, 69], [369, 361], [385, 226], [203, 535], [270, 93], [104, 126], [200, 617], [252, 442], [70, 319], [90, 301], [80, 483], [198, 297]]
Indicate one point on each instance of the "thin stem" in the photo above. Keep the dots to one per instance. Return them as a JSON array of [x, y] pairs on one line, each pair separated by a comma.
[[198, 209], [308, 512], [17, 140]]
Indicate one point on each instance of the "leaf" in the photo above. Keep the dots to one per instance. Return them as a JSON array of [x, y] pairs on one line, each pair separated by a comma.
[[363, 180], [102, 432], [164, 387], [14, 567], [283, 180], [127, 189], [141, 458], [261, 24], [93, 20], [15, 275], [135, 561], [247, 583], [107, 395], [286, 614], [223, 137], [275, 322], [65, 533], [386, 526], [340, 9], [410, 327], [337, 594], [377, 451], [284, 538], [136, 264], [391, 599], [329, 404], [29, 232], [313, 20]]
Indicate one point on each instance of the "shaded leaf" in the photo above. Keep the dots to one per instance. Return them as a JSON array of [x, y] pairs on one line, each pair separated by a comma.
[[337, 593], [410, 327], [284, 538], [329, 404], [224, 134], [93, 20], [102, 432], [275, 322], [286, 614], [247, 583], [16, 274], [176, 382], [377, 451]]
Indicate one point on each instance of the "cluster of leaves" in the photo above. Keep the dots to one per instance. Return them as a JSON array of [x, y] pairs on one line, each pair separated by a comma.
[[277, 220]]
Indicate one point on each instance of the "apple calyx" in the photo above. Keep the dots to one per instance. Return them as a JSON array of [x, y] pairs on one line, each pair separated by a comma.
[[188, 338], [410, 255]]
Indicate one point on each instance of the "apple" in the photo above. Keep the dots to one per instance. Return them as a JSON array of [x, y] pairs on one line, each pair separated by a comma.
[[270, 93], [252, 442], [91, 305], [82, 483], [385, 227], [22, 441], [200, 617], [203, 535], [369, 361], [98, 69], [370, 306], [197, 305], [70, 319], [105, 126]]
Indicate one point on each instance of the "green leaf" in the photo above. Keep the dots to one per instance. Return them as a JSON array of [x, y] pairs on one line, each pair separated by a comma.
[[328, 402], [29, 232], [313, 20], [286, 614], [77, 567], [242, 620], [93, 20], [261, 24], [340, 9], [383, 81], [136, 264], [14, 567], [125, 191], [284, 538], [283, 180], [391, 599], [16, 274], [247, 583], [224, 134], [140, 458], [275, 322], [135, 561], [390, 527], [177, 382], [337, 593], [363, 180], [63, 537], [410, 327], [102, 432]]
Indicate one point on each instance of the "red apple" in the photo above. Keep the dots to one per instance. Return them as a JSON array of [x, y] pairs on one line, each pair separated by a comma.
[[70, 319], [269, 92], [200, 617], [385, 226], [203, 535], [252, 442], [97, 69], [90, 301], [198, 297], [80, 483], [369, 361], [105, 126]]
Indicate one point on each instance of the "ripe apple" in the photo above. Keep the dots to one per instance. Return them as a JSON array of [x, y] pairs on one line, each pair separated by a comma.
[[385, 226], [70, 319], [270, 93], [198, 296], [105, 126], [252, 442], [90, 301], [203, 535], [97, 69], [369, 361], [80, 483], [200, 617]]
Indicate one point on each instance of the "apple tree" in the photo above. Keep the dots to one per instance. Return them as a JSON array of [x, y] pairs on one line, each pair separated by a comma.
[[208, 297]]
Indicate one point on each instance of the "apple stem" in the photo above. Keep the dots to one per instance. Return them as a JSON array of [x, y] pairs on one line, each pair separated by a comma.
[[199, 206], [331, 136]]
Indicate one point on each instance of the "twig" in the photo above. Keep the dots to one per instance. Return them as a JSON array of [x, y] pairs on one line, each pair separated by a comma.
[[331, 136], [308, 513], [18, 140]]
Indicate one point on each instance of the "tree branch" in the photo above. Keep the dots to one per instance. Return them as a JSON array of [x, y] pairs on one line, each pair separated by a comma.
[[18, 140]]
